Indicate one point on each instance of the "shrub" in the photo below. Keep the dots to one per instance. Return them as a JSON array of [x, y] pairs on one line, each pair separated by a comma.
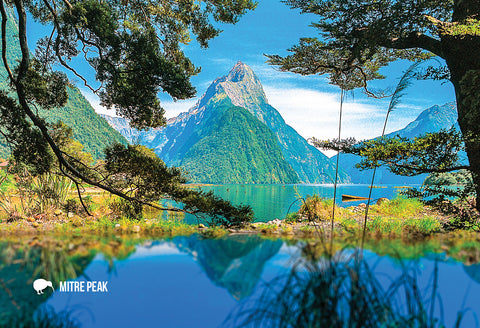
[[125, 209], [292, 217], [316, 207]]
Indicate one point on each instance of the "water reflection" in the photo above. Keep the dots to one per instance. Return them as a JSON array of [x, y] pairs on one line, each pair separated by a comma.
[[348, 290], [20, 264], [235, 263], [259, 282]]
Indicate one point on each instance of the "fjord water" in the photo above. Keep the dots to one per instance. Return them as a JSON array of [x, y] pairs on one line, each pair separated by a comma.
[[196, 282], [273, 201]]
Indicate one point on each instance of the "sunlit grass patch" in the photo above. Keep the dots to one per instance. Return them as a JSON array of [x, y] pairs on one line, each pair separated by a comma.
[[399, 207], [395, 226]]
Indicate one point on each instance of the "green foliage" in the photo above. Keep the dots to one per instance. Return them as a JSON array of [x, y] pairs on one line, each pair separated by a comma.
[[44, 88], [469, 27], [89, 129], [316, 208], [292, 217], [461, 177], [45, 317], [134, 48], [354, 50], [135, 51], [431, 152], [237, 148], [138, 170], [41, 193], [400, 207], [341, 290], [410, 226], [125, 209]]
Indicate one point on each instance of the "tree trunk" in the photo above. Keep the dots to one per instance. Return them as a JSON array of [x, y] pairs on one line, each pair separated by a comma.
[[465, 76], [461, 54]]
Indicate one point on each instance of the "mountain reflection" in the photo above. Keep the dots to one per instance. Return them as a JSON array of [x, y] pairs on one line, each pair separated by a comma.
[[235, 263], [310, 289]]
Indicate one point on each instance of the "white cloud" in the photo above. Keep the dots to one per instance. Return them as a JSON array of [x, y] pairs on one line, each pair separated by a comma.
[[95, 102], [162, 249], [172, 108], [316, 114]]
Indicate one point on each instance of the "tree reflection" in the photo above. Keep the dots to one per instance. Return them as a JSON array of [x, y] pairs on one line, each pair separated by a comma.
[[343, 290], [20, 265]]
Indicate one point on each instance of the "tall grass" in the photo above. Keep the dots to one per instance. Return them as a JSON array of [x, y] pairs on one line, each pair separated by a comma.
[[341, 291], [36, 195]]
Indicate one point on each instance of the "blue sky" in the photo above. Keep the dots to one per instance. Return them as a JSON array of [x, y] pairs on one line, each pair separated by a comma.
[[309, 104]]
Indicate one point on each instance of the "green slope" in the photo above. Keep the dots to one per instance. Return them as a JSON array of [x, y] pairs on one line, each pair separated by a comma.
[[236, 148], [88, 127]]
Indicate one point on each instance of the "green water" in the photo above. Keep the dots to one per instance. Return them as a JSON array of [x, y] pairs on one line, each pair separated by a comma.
[[274, 201]]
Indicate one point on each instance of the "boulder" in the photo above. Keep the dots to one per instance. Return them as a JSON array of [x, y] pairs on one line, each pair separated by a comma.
[[382, 200]]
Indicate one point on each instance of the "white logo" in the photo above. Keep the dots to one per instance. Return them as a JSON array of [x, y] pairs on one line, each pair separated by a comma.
[[41, 284], [72, 286]]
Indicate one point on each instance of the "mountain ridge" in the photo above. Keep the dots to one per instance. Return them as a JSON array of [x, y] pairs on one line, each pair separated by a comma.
[[432, 119], [244, 90]]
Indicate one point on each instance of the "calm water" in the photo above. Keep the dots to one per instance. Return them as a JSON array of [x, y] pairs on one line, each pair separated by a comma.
[[193, 282], [273, 201]]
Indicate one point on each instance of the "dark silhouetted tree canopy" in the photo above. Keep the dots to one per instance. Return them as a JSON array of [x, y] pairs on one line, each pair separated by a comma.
[[357, 38], [134, 47]]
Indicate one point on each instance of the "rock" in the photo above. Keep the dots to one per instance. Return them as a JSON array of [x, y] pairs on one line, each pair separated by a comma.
[[30, 219], [382, 200], [58, 212], [117, 226], [362, 205], [35, 224], [136, 228], [41, 216], [201, 226], [276, 222], [232, 230], [70, 214]]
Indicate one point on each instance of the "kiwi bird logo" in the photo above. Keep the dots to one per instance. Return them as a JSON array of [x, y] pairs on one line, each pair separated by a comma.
[[40, 284]]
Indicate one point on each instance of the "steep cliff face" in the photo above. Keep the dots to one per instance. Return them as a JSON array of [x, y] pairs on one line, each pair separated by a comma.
[[432, 119], [244, 89], [242, 141]]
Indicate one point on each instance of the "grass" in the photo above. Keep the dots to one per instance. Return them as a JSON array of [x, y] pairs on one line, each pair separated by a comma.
[[400, 217], [411, 226]]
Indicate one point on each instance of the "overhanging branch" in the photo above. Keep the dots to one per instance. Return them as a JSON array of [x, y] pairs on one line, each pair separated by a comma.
[[415, 40], [42, 127]]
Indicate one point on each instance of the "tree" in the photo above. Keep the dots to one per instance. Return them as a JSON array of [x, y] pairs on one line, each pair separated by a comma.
[[360, 37], [134, 47]]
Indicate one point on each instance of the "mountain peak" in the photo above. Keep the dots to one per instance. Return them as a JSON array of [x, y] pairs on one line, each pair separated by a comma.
[[241, 73], [240, 85]]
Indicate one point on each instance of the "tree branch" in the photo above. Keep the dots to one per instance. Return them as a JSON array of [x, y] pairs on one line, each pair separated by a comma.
[[4, 40], [415, 40], [421, 170], [43, 129]]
